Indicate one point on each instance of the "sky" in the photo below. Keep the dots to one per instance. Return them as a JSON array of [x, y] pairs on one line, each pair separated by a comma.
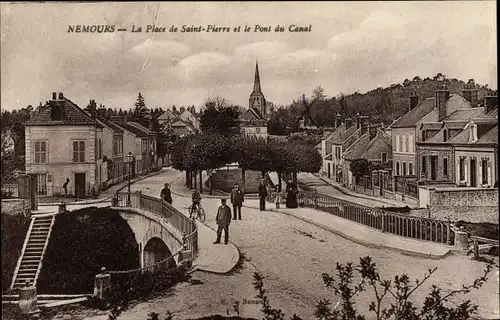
[[352, 46]]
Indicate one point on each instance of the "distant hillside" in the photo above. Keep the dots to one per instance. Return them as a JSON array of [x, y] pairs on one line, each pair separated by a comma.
[[385, 104]]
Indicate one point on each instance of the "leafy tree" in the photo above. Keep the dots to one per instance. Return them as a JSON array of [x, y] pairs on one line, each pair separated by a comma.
[[91, 108], [359, 167], [141, 113], [318, 94], [276, 126], [219, 117]]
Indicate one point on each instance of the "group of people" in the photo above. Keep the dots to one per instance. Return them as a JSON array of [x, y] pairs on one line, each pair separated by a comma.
[[223, 217]]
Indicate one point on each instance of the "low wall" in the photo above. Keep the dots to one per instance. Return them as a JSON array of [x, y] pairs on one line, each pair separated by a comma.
[[224, 180], [468, 204], [13, 206], [389, 195]]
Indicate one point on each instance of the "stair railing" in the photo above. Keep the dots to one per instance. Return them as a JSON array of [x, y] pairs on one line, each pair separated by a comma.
[[44, 249], [25, 244]]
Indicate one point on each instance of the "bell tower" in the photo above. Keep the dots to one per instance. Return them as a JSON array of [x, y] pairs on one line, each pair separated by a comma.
[[257, 99]]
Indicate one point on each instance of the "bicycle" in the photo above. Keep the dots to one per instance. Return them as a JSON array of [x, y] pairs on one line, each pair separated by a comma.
[[200, 213]]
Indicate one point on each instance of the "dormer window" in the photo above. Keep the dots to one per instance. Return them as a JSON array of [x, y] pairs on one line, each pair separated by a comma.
[[445, 135]]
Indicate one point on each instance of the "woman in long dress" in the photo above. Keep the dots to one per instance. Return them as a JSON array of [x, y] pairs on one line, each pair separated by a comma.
[[291, 194]]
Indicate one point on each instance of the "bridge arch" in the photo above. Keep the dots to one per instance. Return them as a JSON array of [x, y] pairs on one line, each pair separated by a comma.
[[155, 236]]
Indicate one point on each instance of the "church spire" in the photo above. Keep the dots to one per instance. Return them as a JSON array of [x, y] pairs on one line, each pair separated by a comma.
[[256, 81]]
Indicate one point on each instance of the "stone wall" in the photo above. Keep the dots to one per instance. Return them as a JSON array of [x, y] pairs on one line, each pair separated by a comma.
[[468, 204], [13, 206], [224, 180]]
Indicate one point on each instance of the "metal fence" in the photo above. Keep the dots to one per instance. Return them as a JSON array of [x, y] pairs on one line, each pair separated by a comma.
[[161, 208], [386, 221]]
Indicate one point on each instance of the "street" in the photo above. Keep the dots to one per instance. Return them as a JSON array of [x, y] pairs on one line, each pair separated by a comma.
[[292, 254]]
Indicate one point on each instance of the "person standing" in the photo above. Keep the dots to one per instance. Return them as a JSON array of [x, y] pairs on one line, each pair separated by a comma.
[[278, 196], [262, 195], [223, 220], [65, 187], [166, 194], [291, 194], [237, 199]]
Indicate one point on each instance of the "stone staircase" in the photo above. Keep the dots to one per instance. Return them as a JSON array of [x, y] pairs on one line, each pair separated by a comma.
[[30, 260]]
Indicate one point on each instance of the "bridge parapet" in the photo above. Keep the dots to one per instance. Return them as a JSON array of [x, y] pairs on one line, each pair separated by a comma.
[[184, 226]]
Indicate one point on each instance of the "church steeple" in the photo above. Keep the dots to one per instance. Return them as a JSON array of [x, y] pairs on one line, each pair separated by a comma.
[[256, 80], [257, 100]]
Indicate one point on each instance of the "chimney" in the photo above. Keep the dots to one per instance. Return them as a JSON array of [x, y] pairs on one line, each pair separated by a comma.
[[472, 131], [490, 103], [61, 97], [470, 93], [348, 123], [338, 120], [442, 96], [372, 131], [358, 121], [54, 95], [101, 112], [413, 100], [364, 124]]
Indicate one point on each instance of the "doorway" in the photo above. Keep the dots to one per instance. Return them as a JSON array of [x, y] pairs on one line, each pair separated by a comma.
[[473, 177], [80, 185]]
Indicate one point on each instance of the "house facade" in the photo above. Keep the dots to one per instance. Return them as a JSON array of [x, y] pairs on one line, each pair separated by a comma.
[[408, 129], [188, 117], [63, 142]]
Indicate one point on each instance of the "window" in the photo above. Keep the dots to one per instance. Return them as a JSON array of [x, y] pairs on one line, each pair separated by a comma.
[[404, 168], [405, 143], [445, 167], [40, 152], [100, 149], [462, 168], [384, 157], [410, 168], [397, 168], [397, 143], [49, 177], [424, 165], [410, 144], [78, 151], [423, 135], [445, 135], [401, 143], [484, 170]]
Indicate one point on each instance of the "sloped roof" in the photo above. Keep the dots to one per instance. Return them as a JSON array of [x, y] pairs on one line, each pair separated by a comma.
[[431, 126], [140, 127], [166, 115], [493, 113], [490, 137], [72, 115], [343, 134], [116, 128], [381, 136], [411, 118], [138, 132], [359, 147], [454, 125], [466, 114]]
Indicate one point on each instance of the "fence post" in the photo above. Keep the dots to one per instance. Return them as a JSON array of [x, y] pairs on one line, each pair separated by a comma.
[[315, 198], [102, 285], [448, 233], [28, 299], [383, 222], [476, 250], [404, 189]]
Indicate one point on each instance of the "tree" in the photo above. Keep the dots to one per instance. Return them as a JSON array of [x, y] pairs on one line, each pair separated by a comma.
[[141, 113], [91, 108], [219, 117], [318, 94], [359, 167]]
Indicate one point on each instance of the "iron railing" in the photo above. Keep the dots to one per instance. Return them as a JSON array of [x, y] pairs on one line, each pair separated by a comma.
[[178, 220], [399, 224]]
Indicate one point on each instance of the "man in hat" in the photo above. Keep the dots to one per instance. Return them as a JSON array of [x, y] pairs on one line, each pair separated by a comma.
[[237, 199], [262, 195], [223, 220], [166, 194]]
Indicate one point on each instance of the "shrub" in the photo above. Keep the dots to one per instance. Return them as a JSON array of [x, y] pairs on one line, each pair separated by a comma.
[[14, 229], [81, 243]]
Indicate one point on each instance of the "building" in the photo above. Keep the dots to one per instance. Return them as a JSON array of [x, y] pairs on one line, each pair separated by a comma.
[[64, 142], [188, 117], [407, 130], [461, 149], [166, 117], [141, 142], [253, 121]]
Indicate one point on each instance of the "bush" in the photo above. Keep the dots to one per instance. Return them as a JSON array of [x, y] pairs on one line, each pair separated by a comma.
[[14, 229], [482, 229], [82, 242]]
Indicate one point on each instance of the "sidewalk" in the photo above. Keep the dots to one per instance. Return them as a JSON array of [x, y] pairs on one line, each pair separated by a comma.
[[105, 195], [384, 201], [214, 258], [359, 233]]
